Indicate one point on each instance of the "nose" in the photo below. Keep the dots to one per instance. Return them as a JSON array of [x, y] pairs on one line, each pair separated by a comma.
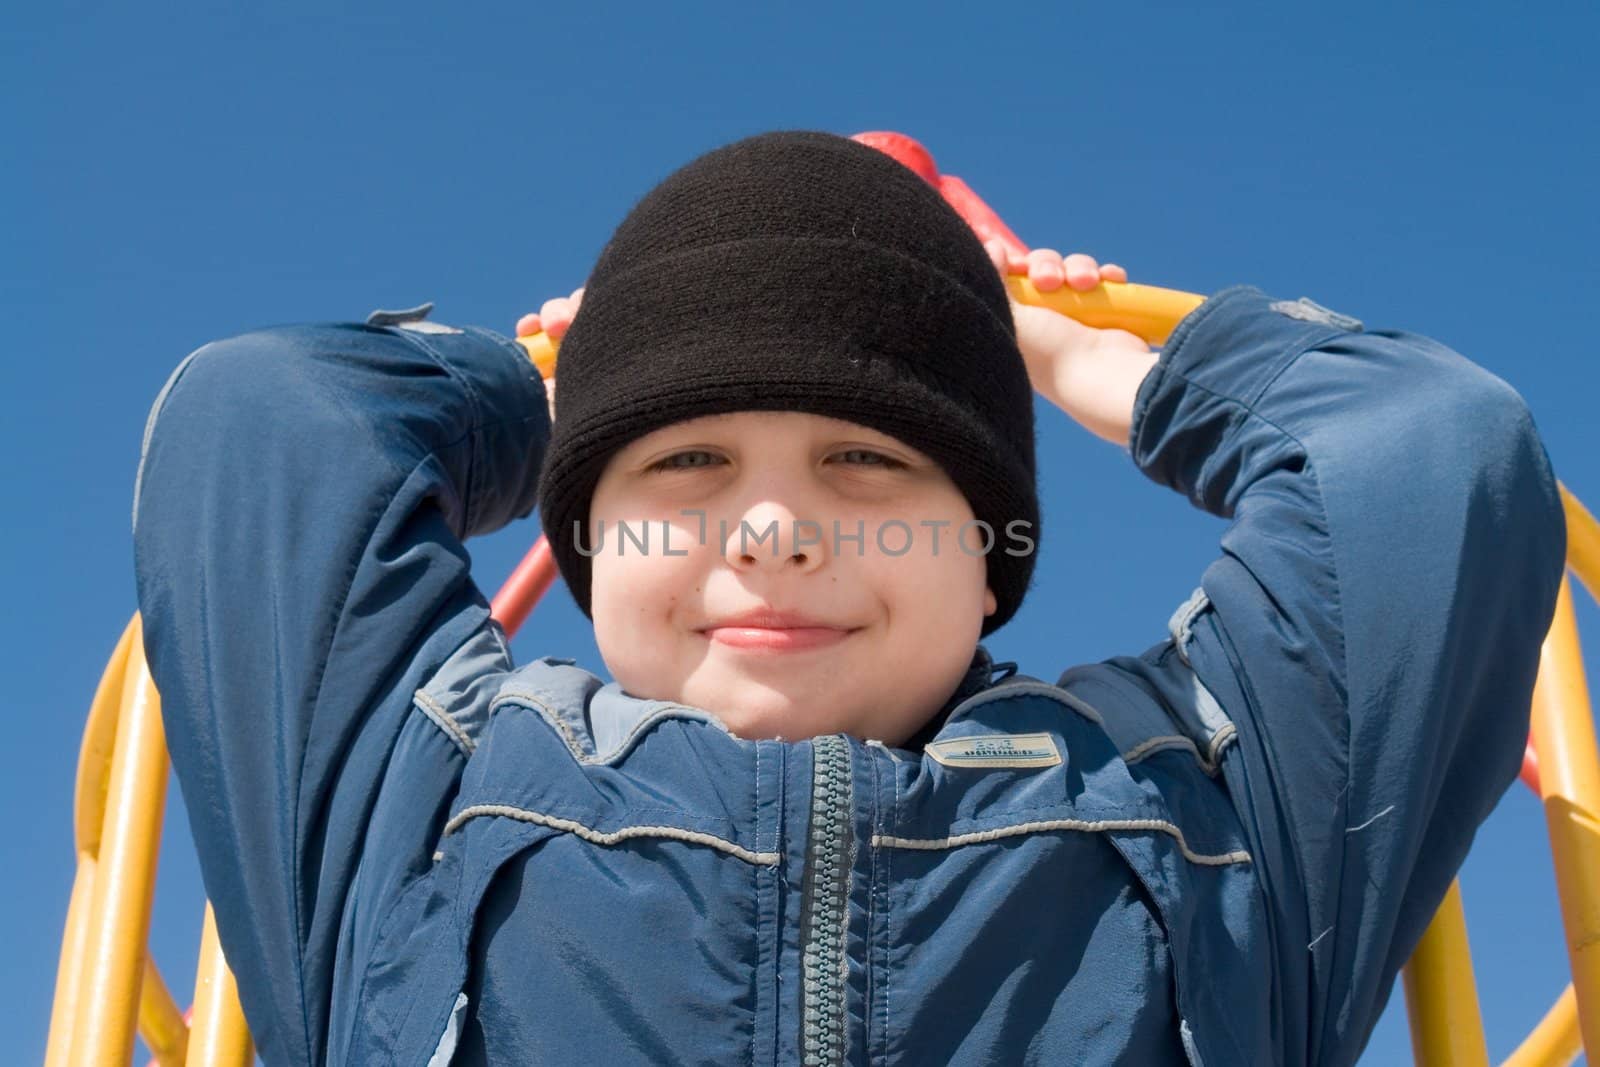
[[768, 535]]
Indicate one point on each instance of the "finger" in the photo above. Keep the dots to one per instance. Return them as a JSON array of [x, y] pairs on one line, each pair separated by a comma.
[[997, 253], [1113, 273], [557, 316], [1082, 271], [1045, 270], [576, 298], [528, 325], [1005, 254]]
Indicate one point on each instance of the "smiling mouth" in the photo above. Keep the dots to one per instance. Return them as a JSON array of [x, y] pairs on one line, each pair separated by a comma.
[[785, 639]]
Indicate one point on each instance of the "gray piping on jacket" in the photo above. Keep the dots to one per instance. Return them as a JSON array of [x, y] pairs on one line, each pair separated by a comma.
[[1212, 717], [1181, 624], [1215, 719], [1209, 761], [1021, 685], [535, 701], [588, 833], [443, 720], [150, 426], [1043, 825]]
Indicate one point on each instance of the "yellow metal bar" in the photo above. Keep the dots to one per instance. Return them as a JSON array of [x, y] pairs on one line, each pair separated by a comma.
[[119, 914], [1569, 777], [1583, 543], [1147, 311], [99, 738], [1442, 994], [1555, 1042], [69, 973], [542, 350], [89, 795], [160, 1022], [219, 1036]]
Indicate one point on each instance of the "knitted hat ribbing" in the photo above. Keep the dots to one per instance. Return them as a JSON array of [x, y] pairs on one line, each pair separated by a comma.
[[798, 271]]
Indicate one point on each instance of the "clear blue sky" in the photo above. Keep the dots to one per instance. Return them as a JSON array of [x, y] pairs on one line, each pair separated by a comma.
[[172, 176]]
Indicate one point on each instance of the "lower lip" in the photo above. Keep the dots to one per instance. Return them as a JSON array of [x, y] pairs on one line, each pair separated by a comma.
[[790, 640]]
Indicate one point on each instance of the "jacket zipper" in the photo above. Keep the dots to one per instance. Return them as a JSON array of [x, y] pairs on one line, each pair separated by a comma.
[[824, 901]]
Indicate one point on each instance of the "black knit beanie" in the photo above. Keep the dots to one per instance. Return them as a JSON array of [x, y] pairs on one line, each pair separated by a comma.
[[799, 271]]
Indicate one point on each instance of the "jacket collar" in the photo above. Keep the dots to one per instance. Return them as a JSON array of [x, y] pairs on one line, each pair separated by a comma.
[[979, 676], [600, 719]]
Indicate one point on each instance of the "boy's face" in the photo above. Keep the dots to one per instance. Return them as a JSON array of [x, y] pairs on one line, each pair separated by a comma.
[[894, 625]]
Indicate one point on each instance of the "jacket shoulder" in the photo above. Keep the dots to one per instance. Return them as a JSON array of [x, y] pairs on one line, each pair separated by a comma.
[[1155, 702]]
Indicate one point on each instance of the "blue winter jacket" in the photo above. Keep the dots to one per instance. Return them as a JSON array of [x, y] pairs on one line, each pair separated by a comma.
[[1217, 852]]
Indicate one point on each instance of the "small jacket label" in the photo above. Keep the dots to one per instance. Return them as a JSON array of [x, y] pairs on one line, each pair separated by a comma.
[[996, 750]]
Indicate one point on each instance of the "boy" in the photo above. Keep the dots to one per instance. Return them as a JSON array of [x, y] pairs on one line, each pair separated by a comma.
[[806, 823]]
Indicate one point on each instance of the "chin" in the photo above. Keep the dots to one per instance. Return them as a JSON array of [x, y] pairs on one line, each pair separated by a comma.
[[768, 716]]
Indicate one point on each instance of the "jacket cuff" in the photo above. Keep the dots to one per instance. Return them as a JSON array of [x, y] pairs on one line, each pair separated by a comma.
[[1215, 366], [511, 429]]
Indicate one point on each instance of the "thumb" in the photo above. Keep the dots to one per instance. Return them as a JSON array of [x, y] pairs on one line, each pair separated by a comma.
[[1045, 336]]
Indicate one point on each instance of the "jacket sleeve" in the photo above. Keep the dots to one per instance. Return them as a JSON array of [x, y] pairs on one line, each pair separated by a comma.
[[302, 498], [1372, 626]]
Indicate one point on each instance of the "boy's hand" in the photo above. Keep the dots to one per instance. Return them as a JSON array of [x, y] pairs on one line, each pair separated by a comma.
[[553, 317], [1093, 375]]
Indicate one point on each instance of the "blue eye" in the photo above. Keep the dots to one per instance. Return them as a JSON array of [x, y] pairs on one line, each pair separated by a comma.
[[671, 462], [876, 459], [681, 461]]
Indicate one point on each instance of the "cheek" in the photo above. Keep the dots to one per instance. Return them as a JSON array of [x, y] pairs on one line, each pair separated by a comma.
[[633, 586], [632, 607], [637, 586], [934, 580]]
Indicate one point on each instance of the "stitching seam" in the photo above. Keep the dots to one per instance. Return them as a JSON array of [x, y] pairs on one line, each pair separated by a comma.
[[598, 837], [1167, 742], [1099, 826], [444, 721]]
